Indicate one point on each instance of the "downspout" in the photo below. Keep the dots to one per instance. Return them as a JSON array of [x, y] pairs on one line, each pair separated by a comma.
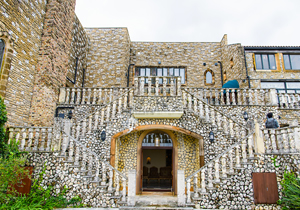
[[83, 77], [247, 76], [128, 73], [221, 67]]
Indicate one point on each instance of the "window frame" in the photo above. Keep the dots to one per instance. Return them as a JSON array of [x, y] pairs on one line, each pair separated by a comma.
[[290, 62], [276, 59], [153, 69], [212, 75]]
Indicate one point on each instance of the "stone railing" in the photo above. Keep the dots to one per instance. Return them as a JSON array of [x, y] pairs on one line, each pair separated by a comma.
[[98, 119], [220, 168], [34, 139], [289, 100], [157, 86], [236, 96], [212, 115], [91, 167], [77, 96], [282, 140]]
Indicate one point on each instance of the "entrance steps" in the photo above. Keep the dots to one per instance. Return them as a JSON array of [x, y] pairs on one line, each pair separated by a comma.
[[155, 200]]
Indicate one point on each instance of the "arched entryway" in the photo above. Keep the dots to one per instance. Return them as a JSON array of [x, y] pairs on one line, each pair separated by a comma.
[[157, 162], [124, 157], [154, 143]]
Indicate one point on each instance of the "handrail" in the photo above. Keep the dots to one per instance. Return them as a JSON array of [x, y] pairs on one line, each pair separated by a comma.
[[105, 105], [220, 155], [95, 154], [215, 109]]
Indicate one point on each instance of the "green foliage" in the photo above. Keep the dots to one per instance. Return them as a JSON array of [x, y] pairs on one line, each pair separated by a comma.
[[274, 161], [41, 198], [291, 191], [12, 172], [3, 119]]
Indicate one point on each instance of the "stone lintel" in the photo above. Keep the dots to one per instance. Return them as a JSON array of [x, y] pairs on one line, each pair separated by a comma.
[[162, 115]]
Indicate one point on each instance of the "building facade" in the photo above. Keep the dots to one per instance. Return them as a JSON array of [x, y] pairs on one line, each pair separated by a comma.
[[114, 118]]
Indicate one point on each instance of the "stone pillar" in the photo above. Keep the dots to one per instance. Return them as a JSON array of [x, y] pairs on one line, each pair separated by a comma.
[[258, 139], [273, 97], [180, 188], [53, 61], [131, 187]]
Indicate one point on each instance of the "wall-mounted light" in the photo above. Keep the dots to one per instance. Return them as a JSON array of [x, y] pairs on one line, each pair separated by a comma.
[[103, 135], [70, 114], [216, 64], [148, 160], [204, 64], [159, 62], [211, 137], [245, 115]]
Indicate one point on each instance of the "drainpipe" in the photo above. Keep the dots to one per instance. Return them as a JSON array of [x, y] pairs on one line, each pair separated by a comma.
[[128, 73], [247, 76], [221, 67], [83, 77]]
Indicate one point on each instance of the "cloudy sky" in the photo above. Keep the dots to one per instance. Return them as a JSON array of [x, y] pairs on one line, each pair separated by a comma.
[[255, 22]]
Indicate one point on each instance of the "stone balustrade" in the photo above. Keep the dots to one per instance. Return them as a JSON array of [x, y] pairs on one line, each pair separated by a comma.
[[212, 115], [282, 140], [213, 173], [157, 86], [289, 100], [97, 120], [91, 167], [77, 96], [33, 139], [236, 96]]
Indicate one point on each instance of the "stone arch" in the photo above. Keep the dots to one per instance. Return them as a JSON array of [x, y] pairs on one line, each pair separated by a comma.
[[6, 61], [147, 129]]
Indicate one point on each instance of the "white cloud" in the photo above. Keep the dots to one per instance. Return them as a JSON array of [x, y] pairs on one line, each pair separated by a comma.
[[256, 22]]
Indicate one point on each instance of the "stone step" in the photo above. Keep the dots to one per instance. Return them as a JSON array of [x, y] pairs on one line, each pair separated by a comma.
[[154, 207]]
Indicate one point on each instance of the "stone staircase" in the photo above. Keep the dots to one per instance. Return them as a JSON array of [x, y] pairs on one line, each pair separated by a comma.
[[84, 156]]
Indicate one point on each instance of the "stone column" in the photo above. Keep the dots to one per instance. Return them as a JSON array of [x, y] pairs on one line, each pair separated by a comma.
[[180, 188], [131, 187]]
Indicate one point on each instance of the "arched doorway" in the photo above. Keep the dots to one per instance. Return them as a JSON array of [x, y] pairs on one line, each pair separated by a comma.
[[157, 160], [166, 145]]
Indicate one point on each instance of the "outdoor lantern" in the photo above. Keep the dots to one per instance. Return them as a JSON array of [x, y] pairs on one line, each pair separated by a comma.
[[70, 114], [157, 141], [211, 137], [103, 135], [245, 115]]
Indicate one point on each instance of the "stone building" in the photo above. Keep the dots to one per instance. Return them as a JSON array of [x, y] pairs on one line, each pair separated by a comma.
[[114, 118]]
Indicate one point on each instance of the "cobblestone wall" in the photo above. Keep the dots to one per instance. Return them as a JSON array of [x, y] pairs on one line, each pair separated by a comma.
[[78, 55], [23, 21], [182, 54], [108, 57]]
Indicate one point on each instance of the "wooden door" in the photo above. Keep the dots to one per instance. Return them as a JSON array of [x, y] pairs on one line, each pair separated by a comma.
[[265, 188]]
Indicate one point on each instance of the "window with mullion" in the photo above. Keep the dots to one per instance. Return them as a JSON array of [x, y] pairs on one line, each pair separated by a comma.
[[160, 72], [265, 61], [291, 61]]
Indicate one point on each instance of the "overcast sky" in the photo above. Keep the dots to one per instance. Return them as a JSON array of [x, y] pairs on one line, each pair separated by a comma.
[[254, 22]]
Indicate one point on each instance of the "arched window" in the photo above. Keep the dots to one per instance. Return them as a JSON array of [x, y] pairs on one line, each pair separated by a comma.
[[2, 48], [209, 77]]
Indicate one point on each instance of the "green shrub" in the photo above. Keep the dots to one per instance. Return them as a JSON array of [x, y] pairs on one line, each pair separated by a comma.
[[12, 172], [290, 191]]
